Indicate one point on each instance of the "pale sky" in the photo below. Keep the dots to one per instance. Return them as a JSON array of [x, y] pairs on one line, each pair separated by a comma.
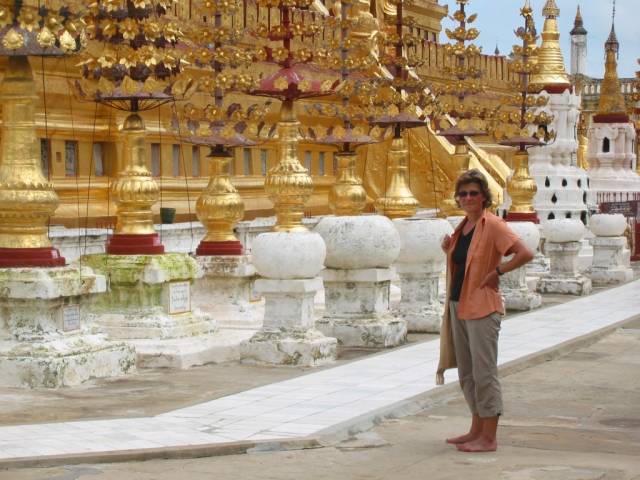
[[498, 18]]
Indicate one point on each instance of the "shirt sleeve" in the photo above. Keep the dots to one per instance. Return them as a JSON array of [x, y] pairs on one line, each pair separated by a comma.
[[504, 237]]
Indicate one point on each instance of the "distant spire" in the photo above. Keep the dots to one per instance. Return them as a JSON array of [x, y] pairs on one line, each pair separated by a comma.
[[496, 52], [612, 107], [578, 24], [552, 75], [612, 42]]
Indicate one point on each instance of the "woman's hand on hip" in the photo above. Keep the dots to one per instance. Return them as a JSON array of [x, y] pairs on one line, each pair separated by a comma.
[[492, 280]]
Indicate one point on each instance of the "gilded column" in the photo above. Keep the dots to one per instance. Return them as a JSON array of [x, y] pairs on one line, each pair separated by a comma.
[[219, 208], [288, 184], [398, 200], [135, 192], [27, 199], [347, 196]]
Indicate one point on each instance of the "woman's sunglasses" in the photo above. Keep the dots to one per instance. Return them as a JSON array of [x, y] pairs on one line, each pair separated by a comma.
[[472, 193]]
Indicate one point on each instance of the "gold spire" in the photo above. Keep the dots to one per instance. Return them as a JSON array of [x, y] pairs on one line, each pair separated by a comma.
[[612, 107], [551, 75]]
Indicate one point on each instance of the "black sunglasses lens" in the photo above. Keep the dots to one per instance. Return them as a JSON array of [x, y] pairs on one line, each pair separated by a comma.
[[472, 193]]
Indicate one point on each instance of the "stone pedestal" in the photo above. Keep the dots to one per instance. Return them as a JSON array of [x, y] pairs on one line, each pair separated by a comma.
[[357, 308], [562, 246], [289, 263], [357, 280], [420, 265], [419, 304], [514, 285], [516, 292], [611, 257], [224, 291], [149, 306], [44, 338], [610, 261]]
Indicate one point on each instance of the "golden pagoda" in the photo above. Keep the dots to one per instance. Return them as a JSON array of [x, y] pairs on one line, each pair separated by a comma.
[[551, 75], [612, 107]]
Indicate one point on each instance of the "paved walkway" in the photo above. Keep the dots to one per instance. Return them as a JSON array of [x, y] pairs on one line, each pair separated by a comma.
[[312, 403]]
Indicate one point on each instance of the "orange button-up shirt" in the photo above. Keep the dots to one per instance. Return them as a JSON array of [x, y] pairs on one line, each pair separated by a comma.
[[491, 241]]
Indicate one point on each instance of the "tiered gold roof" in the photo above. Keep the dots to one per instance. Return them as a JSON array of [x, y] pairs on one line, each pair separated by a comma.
[[551, 75]]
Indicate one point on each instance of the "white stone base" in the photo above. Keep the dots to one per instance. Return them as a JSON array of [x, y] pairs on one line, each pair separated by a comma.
[[517, 294], [225, 291], [419, 305], [576, 285], [308, 348], [521, 300], [181, 353], [610, 261], [139, 308], [377, 332], [63, 361], [44, 337], [538, 266], [611, 277], [420, 319], [154, 323], [357, 309]]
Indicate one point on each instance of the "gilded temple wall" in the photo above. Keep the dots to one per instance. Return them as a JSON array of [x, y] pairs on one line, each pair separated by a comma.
[[71, 129]]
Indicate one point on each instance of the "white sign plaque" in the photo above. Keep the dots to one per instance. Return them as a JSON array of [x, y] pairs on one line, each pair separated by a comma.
[[70, 317], [179, 297]]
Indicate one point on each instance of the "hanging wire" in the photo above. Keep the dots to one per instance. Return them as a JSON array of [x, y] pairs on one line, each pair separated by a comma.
[[161, 173], [184, 169], [77, 164], [91, 169], [433, 171], [47, 142]]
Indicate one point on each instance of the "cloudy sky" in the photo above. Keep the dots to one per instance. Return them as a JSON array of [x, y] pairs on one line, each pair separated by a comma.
[[498, 18]]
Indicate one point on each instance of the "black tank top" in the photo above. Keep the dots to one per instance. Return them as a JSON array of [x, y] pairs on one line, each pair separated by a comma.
[[459, 258]]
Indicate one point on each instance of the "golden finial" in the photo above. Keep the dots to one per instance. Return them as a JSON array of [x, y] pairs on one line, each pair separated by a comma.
[[550, 9], [612, 107], [551, 75]]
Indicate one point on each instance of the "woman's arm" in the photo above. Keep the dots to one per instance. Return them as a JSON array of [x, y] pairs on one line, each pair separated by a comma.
[[521, 255]]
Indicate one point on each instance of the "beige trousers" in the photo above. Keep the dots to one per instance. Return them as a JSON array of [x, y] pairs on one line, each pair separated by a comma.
[[476, 347]]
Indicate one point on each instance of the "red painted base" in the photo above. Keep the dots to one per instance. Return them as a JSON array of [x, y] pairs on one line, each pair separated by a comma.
[[120, 244], [30, 257], [522, 217], [219, 248], [635, 257]]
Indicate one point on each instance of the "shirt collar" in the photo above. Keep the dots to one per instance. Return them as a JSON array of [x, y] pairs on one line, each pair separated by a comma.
[[483, 218]]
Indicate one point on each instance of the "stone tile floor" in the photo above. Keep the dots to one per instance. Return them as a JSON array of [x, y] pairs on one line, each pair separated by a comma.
[[310, 403]]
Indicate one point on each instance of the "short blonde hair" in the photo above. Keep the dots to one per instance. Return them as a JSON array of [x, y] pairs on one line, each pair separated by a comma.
[[475, 176]]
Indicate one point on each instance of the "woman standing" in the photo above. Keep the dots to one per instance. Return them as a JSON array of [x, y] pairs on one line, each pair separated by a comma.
[[473, 311]]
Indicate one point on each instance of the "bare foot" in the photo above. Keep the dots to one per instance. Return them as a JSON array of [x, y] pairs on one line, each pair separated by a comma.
[[480, 444], [467, 437]]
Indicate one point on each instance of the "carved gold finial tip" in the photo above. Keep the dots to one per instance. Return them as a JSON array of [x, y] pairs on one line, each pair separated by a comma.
[[551, 9]]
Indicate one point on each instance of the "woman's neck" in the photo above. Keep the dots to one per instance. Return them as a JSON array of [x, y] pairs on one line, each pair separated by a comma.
[[474, 217]]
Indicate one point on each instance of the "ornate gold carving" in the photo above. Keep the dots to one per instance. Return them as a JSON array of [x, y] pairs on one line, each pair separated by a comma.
[[611, 98], [522, 188], [288, 184], [219, 206], [27, 200], [135, 190], [398, 201], [347, 196], [551, 71], [460, 160]]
